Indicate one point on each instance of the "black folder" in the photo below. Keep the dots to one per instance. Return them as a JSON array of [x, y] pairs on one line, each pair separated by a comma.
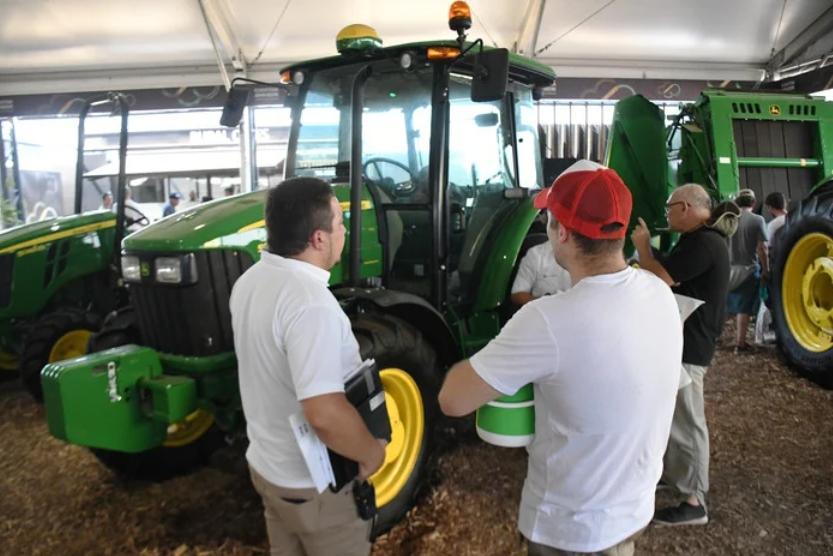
[[364, 391]]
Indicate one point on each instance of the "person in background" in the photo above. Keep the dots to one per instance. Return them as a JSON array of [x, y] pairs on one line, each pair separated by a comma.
[[697, 266], [106, 201], [295, 348], [170, 206], [748, 249], [228, 190], [192, 197], [538, 275], [776, 204], [604, 361]]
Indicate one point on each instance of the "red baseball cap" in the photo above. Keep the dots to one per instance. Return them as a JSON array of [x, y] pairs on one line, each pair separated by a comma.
[[586, 197]]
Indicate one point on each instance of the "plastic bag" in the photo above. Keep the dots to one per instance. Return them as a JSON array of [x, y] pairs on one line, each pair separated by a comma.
[[763, 326]]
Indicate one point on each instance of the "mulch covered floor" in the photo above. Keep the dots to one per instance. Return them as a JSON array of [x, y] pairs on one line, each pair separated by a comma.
[[771, 492]]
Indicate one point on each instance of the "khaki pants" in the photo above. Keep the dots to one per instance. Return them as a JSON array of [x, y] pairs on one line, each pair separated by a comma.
[[302, 522], [625, 548], [686, 461]]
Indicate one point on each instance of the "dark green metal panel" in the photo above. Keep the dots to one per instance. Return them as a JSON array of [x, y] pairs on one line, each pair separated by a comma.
[[116, 399], [491, 291], [636, 150]]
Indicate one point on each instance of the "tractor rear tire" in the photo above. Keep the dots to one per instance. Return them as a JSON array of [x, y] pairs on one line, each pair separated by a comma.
[[120, 328], [802, 291], [55, 336], [410, 376]]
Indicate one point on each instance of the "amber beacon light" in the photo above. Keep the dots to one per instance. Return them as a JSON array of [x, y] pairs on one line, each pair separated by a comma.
[[459, 17]]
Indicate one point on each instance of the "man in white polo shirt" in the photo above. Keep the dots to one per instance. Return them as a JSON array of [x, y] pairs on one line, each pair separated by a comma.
[[538, 275], [604, 359], [294, 348]]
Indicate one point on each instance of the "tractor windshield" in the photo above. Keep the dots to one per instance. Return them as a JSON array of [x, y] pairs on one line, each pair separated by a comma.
[[396, 123]]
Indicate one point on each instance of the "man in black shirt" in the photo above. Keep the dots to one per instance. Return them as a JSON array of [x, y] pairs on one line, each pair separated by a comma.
[[698, 267]]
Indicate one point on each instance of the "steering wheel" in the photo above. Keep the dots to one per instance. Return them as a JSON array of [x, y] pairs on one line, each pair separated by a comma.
[[140, 218], [399, 188]]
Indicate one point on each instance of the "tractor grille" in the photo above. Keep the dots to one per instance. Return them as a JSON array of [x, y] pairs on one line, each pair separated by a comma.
[[191, 320], [6, 273]]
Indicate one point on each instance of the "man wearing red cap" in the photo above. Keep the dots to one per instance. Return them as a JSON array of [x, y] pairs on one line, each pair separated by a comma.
[[603, 358]]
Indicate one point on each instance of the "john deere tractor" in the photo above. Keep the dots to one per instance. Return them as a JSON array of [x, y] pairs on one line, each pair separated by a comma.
[[432, 149], [766, 142], [58, 277]]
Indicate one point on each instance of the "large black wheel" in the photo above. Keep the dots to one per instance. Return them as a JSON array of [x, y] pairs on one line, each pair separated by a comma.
[[802, 292], [408, 366], [189, 444], [56, 336]]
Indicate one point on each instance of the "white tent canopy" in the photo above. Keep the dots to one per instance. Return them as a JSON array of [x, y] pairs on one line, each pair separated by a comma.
[[82, 45]]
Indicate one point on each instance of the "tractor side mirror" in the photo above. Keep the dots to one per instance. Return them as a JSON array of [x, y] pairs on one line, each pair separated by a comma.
[[236, 100], [491, 72]]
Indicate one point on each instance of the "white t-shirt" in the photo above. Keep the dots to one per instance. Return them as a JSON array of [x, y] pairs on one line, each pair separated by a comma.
[[293, 342], [604, 357], [773, 226], [539, 274]]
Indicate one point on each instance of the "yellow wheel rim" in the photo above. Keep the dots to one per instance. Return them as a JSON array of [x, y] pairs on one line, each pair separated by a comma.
[[189, 429], [807, 292], [407, 422], [72, 344], [8, 361]]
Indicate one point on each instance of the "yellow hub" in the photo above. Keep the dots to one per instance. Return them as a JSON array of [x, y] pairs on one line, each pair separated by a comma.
[[407, 420], [189, 429], [72, 344], [8, 361], [807, 292]]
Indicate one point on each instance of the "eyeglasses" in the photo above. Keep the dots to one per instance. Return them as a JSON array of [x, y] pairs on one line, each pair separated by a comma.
[[669, 206]]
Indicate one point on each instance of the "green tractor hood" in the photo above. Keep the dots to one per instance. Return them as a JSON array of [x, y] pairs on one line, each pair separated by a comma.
[[30, 237], [230, 222]]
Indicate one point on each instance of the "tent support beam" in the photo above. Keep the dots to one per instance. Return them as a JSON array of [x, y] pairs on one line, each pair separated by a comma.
[[527, 40]]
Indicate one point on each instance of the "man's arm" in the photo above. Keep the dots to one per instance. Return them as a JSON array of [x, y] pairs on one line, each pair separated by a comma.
[[464, 391], [521, 298], [763, 256], [341, 428], [641, 238]]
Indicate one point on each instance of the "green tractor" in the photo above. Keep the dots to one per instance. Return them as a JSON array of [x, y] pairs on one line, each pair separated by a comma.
[[432, 149], [58, 277], [765, 142]]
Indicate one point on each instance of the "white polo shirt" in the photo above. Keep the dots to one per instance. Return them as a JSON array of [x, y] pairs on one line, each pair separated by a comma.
[[604, 357], [539, 274], [293, 341]]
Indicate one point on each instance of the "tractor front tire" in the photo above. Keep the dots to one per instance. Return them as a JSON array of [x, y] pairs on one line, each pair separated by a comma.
[[410, 377], [189, 444], [56, 336], [802, 288]]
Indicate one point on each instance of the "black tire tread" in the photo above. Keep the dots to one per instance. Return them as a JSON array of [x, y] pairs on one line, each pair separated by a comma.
[[813, 214], [43, 335], [392, 342]]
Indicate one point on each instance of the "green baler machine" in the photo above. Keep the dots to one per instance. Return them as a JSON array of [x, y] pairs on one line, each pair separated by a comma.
[[767, 142]]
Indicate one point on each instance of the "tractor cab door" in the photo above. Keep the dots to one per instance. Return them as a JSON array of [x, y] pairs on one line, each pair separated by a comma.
[[481, 168]]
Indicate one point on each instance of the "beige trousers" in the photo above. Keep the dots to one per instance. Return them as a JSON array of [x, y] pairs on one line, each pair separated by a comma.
[[625, 548], [301, 522]]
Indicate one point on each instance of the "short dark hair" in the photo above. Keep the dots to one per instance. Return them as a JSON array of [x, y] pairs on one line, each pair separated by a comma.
[[745, 201], [776, 200], [598, 247], [295, 209]]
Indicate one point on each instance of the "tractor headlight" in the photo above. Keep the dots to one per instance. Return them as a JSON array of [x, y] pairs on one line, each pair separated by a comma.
[[176, 270], [131, 268]]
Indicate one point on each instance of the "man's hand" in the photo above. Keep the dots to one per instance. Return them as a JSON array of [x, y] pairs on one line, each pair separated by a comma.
[[373, 461], [641, 236]]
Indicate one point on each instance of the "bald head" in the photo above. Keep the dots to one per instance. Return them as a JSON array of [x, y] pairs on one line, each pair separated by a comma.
[[688, 208], [695, 195]]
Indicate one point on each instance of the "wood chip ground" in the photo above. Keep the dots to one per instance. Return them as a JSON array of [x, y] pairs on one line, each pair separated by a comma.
[[771, 486]]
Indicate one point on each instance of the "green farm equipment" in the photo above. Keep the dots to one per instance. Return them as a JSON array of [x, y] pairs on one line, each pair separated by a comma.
[[766, 142], [432, 149], [58, 277]]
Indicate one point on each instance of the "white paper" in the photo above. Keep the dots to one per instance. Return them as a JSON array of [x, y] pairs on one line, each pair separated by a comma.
[[314, 452], [687, 305]]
